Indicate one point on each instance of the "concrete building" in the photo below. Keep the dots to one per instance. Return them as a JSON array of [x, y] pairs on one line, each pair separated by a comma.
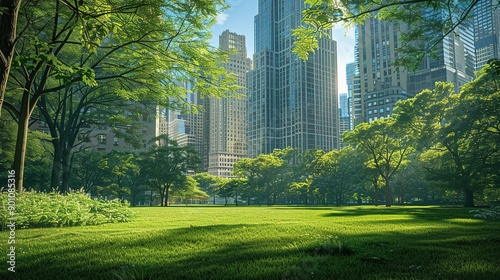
[[291, 103], [377, 43], [227, 116], [380, 102], [135, 136], [381, 84]]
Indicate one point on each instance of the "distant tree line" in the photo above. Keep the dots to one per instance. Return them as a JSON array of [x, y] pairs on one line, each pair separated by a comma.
[[438, 147]]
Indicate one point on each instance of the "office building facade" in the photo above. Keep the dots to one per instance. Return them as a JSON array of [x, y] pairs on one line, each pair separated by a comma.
[[291, 103], [378, 80], [486, 17], [227, 116]]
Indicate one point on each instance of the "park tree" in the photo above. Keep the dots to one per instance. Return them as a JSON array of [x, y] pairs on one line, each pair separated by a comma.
[[9, 11], [208, 183], [268, 174], [342, 169], [231, 187], [38, 154], [458, 133], [306, 184], [430, 21], [387, 146], [190, 191], [302, 191], [7, 143], [86, 173], [411, 183], [165, 166], [262, 175], [120, 169], [63, 45]]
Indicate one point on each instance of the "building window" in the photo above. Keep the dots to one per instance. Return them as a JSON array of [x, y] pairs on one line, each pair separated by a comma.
[[101, 138], [115, 141]]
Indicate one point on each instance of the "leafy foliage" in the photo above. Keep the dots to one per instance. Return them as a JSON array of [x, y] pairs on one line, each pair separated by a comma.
[[164, 167], [491, 214], [56, 210], [429, 21], [120, 170], [386, 145], [458, 133], [137, 50]]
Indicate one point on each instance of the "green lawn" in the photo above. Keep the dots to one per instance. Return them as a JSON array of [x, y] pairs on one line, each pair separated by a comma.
[[266, 243]]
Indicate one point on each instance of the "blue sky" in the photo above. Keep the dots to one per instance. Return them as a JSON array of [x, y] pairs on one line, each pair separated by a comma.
[[239, 19]]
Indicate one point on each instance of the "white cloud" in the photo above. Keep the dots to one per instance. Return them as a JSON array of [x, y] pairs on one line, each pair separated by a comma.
[[221, 18]]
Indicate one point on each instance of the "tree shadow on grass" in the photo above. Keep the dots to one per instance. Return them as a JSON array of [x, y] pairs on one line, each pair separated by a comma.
[[251, 253], [418, 214]]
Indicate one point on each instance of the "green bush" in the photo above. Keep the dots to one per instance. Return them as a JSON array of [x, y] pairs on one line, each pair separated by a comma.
[[490, 214], [57, 210]]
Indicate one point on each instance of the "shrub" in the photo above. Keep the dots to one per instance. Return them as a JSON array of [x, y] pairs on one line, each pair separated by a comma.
[[57, 210], [490, 214]]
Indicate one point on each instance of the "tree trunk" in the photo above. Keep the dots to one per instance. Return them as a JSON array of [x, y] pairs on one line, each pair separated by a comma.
[[388, 198], [469, 198], [8, 36], [165, 197], [65, 173], [162, 196], [55, 179], [21, 141]]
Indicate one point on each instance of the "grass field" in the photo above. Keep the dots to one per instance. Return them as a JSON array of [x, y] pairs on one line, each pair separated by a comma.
[[266, 243]]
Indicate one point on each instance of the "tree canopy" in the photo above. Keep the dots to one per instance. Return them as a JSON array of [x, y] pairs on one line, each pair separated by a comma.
[[138, 49], [430, 22]]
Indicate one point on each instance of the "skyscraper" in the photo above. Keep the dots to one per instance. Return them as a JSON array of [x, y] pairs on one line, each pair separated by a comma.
[[350, 73], [189, 128], [290, 102], [227, 115], [486, 31], [454, 60], [380, 83], [344, 116]]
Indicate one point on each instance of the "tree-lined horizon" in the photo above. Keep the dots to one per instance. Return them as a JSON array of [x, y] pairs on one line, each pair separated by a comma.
[[77, 65]]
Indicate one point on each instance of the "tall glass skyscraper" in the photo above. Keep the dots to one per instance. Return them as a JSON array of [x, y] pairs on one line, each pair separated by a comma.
[[454, 60], [486, 31], [289, 102]]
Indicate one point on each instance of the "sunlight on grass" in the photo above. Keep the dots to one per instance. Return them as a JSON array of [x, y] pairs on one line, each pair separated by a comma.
[[267, 243]]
